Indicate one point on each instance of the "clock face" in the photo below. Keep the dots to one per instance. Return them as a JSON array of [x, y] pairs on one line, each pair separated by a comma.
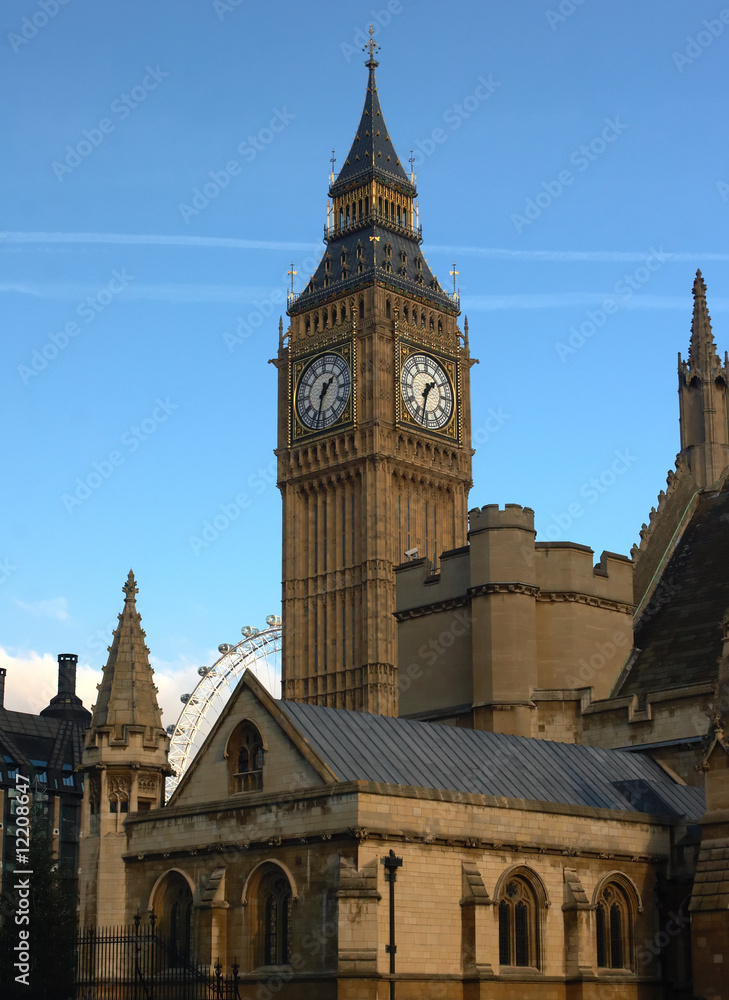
[[426, 391], [323, 391]]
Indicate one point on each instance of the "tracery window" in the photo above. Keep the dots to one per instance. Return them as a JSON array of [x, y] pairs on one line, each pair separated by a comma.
[[613, 926], [245, 758], [518, 925]]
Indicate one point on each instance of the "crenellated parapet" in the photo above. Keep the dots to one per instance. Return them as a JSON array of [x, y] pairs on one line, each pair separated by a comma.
[[492, 516], [666, 523], [506, 618]]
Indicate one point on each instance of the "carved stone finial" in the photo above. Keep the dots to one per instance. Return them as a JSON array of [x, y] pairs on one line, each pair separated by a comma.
[[130, 589]]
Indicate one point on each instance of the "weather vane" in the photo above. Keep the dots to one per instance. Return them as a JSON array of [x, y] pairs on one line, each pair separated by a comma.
[[454, 274], [291, 274], [372, 44], [332, 161]]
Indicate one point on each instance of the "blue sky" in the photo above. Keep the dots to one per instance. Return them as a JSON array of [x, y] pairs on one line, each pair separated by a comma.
[[571, 160]]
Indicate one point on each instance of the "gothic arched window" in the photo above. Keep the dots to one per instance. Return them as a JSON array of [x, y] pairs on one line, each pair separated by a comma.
[[245, 758], [518, 925], [270, 901], [613, 925], [277, 895]]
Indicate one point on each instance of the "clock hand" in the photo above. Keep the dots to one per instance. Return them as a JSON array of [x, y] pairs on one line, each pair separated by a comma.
[[426, 390], [322, 394]]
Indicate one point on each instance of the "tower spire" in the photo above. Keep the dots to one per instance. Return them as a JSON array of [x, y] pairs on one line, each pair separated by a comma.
[[703, 355], [127, 695], [703, 397], [125, 761]]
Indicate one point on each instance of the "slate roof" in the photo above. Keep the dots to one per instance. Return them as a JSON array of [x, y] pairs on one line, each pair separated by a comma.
[[54, 744], [372, 151], [373, 258], [711, 884], [679, 633], [372, 155], [357, 746]]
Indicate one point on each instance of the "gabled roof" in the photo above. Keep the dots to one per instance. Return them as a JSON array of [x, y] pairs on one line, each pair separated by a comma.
[[679, 637], [358, 746]]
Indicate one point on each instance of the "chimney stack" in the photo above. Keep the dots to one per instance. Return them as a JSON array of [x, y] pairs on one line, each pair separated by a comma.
[[67, 704], [3, 671], [67, 673]]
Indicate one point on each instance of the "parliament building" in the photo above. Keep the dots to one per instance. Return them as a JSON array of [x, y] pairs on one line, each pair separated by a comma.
[[500, 767]]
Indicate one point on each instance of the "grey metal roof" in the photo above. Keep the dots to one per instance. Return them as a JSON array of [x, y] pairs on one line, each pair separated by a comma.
[[357, 746]]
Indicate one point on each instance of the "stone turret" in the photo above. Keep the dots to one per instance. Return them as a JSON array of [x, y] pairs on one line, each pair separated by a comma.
[[125, 760], [511, 632]]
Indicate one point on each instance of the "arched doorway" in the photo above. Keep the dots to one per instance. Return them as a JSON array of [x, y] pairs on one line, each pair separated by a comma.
[[172, 905]]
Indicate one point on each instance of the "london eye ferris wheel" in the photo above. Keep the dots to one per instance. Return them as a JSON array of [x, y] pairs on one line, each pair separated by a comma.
[[258, 651]]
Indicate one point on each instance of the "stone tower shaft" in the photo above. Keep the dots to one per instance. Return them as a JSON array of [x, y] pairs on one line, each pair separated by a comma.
[[376, 481], [125, 763]]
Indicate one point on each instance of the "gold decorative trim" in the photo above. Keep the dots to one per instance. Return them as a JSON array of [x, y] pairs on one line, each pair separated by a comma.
[[404, 348], [297, 432]]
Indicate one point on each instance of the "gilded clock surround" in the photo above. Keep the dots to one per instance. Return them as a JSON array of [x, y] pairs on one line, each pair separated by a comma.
[[451, 430], [298, 366], [359, 493]]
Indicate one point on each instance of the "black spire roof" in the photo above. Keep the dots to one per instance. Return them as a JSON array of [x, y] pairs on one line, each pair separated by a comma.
[[372, 152], [372, 246]]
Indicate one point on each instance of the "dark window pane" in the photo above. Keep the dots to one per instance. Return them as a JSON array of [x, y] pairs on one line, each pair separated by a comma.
[[504, 933], [601, 950], [521, 934], [616, 937]]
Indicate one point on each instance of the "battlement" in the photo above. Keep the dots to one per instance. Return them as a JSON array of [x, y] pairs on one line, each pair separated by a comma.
[[491, 516]]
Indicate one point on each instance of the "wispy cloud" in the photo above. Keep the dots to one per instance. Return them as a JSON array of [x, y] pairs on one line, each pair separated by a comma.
[[575, 256], [56, 608], [32, 680], [222, 242], [136, 239], [77, 291], [568, 300]]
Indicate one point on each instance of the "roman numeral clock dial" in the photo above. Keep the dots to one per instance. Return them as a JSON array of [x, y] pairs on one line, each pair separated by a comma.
[[323, 391], [427, 392]]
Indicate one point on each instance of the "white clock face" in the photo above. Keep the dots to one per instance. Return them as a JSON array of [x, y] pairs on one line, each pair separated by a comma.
[[426, 391], [323, 391]]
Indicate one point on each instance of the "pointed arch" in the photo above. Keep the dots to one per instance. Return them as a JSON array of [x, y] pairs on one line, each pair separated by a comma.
[[521, 900], [171, 900], [625, 882], [268, 895], [616, 901]]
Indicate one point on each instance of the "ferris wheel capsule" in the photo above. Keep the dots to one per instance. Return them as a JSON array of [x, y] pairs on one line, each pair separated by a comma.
[[249, 631], [224, 647], [273, 620]]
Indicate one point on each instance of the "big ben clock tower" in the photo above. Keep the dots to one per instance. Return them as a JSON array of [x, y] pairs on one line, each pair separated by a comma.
[[374, 442]]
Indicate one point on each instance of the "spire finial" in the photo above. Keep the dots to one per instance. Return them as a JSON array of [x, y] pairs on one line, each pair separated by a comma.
[[699, 284], [454, 274], [333, 160], [130, 588], [373, 47]]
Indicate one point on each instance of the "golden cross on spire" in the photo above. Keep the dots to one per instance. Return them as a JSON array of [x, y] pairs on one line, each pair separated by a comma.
[[372, 44], [291, 274], [454, 274]]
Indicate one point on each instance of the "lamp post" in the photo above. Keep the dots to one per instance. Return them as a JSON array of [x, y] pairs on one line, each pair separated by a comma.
[[391, 864]]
